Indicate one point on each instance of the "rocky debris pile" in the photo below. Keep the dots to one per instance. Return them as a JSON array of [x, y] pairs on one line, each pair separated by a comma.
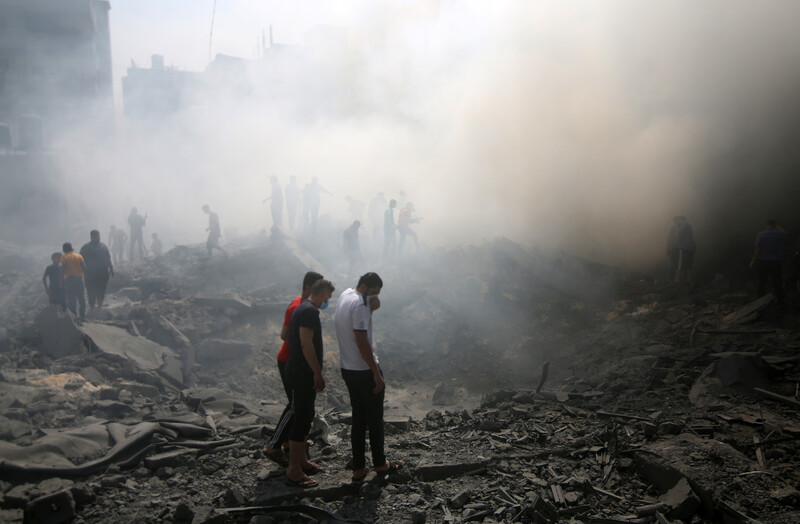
[[523, 386]]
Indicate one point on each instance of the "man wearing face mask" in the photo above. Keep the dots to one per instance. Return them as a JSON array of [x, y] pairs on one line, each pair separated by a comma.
[[362, 375], [304, 373]]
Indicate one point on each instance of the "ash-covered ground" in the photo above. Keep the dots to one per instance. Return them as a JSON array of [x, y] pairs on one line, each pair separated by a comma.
[[657, 403]]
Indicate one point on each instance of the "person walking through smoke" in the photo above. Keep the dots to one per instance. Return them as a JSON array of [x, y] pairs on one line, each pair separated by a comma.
[[98, 269], [768, 258], [214, 232], [389, 232], [352, 247], [72, 276], [281, 434], [304, 371], [55, 291], [292, 200], [404, 222], [156, 247], [672, 246], [311, 201], [117, 238], [276, 207], [362, 374], [686, 248], [137, 222]]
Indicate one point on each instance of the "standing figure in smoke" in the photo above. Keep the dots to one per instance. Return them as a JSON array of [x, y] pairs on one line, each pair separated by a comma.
[[55, 291], [137, 222], [362, 374], [672, 246], [117, 238], [98, 269], [686, 248], [304, 371], [72, 276], [389, 232], [768, 258], [281, 435], [214, 232], [292, 200], [352, 247], [276, 208], [376, 207], [311, 201], [404, 226]]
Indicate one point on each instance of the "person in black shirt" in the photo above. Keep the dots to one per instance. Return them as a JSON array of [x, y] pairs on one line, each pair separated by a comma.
[[98, 268], [55, 291], [304, 374]]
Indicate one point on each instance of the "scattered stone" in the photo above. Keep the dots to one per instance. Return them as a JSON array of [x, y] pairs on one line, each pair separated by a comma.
[[54, 508]]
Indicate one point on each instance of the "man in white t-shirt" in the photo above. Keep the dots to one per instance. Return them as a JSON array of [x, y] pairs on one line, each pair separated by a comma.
[[362, 375]]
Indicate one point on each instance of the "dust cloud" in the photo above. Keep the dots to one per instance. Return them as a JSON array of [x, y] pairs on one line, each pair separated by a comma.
[[585, 126]]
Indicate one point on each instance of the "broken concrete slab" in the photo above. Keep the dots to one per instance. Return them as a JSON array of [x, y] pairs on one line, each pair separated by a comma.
[[51, 509], [737, 373], [59, 332], [444, 471], [217, 350], [749, 312], [227, 299], [683, 502], [146, 353]]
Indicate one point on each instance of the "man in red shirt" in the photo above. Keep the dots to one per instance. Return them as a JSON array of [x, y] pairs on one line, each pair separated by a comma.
[[281, 435]]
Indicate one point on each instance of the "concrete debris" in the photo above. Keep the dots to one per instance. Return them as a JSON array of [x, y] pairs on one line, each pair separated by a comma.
[[519, 389]]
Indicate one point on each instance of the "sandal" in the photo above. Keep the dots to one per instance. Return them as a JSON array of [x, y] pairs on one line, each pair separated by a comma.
[[314, 469], [359, 479], [303, 483], [394, 467], [277, 456]]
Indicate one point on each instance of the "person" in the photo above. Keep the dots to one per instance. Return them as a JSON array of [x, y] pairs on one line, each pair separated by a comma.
[[292, 200], [98, 268], [311, 201], [276, 208], [117, 238], [352, 246], [768, 258], [281, 434], [214, 232], [672, 246], [404, 222], [156, 247], [72, 279], [137, 222], [362, 374], [389, 232], [376, 207], [55, 289], [304, 371], [686, 248]]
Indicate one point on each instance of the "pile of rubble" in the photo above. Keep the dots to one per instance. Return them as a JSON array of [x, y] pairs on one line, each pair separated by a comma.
[[523, 386]]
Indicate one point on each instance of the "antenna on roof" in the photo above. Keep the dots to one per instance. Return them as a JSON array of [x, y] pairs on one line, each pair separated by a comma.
[[211, 33]]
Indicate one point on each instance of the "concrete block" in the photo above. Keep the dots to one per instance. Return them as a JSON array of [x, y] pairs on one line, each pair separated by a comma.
[[51, 509], [224, 300], [682, 500], [59, 333]]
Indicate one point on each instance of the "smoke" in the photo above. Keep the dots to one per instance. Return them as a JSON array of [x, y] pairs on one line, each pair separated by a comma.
[[582, 125]]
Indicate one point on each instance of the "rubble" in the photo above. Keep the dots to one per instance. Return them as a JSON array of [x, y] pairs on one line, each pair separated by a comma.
[[587, 395]]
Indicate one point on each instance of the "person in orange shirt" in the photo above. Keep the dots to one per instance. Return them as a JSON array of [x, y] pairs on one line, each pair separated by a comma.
[[74, 267]]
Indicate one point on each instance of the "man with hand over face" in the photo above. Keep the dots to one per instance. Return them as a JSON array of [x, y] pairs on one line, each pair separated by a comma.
[[362, 375]]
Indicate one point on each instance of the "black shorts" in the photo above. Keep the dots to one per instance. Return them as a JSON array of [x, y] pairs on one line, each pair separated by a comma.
[[303, 398]]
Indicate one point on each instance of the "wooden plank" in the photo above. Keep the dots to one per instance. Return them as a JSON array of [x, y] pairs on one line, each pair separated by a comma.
[[759, 452], [789, 401]]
